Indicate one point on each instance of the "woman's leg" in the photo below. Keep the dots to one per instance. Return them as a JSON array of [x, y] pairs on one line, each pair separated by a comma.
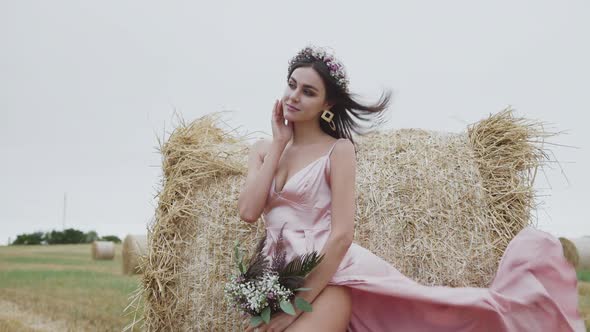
[[331, 312]]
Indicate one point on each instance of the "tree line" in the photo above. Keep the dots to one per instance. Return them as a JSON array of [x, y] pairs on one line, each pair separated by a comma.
[[67, 236]]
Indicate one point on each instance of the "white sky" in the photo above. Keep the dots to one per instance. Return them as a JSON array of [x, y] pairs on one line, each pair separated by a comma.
[[85, 88]]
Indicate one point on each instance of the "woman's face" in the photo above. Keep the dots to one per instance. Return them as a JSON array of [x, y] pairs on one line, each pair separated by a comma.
[[304, 96]]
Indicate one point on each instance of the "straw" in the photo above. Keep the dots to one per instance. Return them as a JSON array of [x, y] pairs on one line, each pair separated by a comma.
[[441, 207]]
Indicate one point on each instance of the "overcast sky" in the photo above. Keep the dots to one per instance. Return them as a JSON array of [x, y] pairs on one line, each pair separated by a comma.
[[86, 87]]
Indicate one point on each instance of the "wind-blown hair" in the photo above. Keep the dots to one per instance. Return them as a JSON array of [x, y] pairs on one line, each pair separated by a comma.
[[349, 115]]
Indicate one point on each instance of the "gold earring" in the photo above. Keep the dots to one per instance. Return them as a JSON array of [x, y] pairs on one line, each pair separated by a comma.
[[328, 116]]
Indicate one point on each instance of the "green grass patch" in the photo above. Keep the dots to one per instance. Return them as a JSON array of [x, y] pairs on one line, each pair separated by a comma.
[[63, 283], [36, 279], [45, 260], [584, 275]]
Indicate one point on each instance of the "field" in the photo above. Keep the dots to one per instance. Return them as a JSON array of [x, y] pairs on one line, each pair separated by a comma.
[[60, 288]]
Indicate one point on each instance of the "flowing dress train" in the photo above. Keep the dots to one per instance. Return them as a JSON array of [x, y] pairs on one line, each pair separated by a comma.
[[530, 291]]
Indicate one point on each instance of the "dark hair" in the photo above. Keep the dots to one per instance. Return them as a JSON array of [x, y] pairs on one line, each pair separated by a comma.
[[345, 106]]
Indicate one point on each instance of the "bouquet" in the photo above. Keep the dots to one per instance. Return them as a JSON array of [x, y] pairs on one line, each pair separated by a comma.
[[261, 290]]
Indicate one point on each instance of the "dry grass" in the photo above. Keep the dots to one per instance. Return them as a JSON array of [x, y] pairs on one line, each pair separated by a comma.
[[189, 162], [441, 207], [508, 151], [15, 318], [134, 250]]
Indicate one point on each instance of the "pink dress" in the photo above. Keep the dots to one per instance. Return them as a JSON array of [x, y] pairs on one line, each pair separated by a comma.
[[535, 288]]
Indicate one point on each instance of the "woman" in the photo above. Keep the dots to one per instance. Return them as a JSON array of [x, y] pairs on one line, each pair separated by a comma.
[[304, 179]]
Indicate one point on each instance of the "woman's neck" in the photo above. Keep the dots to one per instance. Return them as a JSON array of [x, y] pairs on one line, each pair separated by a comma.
[[307, 132]]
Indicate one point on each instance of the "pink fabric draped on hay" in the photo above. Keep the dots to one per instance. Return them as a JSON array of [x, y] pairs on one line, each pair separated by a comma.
[[535, 288]]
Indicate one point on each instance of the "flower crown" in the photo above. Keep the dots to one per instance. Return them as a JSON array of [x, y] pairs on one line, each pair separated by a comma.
[[312, 53]]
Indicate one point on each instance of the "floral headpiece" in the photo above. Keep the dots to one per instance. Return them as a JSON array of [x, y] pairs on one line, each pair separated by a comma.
[[311, 53]]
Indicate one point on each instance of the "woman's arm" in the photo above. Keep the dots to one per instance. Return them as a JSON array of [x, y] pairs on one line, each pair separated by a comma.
[[262, 164], [342, 175], [263, 161]]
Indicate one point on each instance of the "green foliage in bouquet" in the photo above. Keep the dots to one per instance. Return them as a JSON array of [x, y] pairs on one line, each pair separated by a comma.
[[261, 289]]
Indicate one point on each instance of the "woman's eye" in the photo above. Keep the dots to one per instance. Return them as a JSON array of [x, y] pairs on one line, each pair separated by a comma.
[[306, 91]]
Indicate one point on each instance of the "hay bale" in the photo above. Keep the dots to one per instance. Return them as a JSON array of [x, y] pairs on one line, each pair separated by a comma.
[[134, 248], [103, 250], [441, 207], [582, 245], [570, 252]]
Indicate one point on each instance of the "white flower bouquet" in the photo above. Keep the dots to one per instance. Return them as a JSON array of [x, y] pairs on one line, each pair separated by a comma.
[[261, 290]]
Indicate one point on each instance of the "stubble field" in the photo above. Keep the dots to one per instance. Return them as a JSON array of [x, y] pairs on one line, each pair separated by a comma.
[[60, 288]]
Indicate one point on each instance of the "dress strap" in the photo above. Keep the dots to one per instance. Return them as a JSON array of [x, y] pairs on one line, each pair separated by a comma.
[[333, 145], [328, 162]]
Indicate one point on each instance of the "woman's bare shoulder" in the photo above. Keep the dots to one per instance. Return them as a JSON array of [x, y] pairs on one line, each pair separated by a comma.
[[344, 149]]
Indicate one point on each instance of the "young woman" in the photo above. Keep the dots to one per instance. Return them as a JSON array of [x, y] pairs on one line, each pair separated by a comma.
[[303, 181]]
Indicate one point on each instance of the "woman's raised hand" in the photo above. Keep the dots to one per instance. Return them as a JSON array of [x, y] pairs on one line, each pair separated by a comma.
[[280, 132]]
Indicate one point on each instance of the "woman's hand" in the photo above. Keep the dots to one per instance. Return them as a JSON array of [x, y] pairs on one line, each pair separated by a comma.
[[278, 323], [280, 132]]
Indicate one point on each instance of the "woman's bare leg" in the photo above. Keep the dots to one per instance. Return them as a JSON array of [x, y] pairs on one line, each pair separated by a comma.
[[331, 312]]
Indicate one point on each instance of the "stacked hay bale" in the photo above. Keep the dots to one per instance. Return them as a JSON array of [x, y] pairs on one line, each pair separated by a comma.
[[440, 207], [134, 249], [103, 250], [582, 247], [570, 252]]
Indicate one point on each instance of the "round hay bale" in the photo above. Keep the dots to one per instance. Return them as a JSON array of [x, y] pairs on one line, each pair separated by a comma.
[[134, 248], [570, 252], [582, 245], [103, 250], [440, 207]]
